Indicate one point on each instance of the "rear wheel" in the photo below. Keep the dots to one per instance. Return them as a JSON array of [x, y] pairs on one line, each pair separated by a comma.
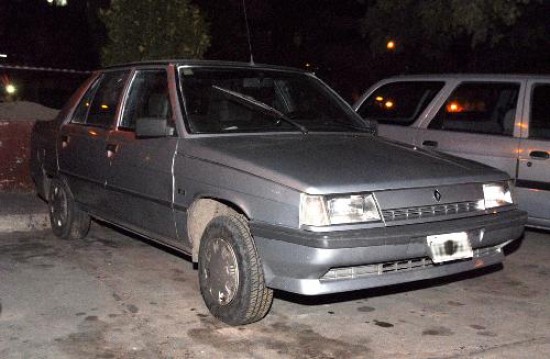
[[66, 219], [231, 276]]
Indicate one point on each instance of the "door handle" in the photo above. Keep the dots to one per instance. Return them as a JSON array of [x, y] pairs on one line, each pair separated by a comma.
[[111, 149], [539, 154], [64, 141], [430, 143]]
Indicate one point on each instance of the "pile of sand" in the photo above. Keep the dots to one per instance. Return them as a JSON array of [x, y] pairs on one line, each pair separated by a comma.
[[25, 111]]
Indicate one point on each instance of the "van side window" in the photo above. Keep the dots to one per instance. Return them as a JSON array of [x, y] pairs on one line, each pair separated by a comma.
[[539, 126], [148, 99], [399, 103], [479, 107]]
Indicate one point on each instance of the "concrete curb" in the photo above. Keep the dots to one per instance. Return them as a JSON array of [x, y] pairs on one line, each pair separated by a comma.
[[24, 222], [22, 212]]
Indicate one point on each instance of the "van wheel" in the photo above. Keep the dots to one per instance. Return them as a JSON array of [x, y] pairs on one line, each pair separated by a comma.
[[231, 276], [66, 219]]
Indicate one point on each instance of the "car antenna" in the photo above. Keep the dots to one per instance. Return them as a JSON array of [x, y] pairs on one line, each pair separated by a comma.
[[248, 33]]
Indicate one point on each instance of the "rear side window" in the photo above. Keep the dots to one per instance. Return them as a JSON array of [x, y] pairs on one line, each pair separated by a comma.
[[99, 105], [81, 112], [399, 103], [539, 126], [479, 107]]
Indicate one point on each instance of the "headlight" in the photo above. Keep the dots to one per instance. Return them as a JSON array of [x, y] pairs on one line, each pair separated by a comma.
[[497, 194], [324, 211]]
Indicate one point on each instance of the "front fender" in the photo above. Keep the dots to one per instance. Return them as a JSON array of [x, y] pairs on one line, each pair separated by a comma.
[[259, 199]]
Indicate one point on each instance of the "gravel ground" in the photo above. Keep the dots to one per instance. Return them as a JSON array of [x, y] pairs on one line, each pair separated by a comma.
[[25, 111]]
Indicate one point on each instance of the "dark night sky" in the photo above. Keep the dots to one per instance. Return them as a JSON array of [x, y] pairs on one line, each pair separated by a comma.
[[290, 32], [322, 33], [32, 32], [286, 32]]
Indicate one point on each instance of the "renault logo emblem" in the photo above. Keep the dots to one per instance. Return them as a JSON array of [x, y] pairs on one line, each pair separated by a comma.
[[437, 195]]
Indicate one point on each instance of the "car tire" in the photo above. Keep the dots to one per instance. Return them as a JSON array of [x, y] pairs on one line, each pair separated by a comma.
[[66, 219], [231, 276]]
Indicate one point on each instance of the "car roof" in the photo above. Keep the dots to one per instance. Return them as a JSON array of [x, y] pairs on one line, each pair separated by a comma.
[[205, 63], [470, 76]]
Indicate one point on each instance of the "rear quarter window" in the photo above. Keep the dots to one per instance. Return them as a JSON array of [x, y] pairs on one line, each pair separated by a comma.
[[399, 103], [539, 126]]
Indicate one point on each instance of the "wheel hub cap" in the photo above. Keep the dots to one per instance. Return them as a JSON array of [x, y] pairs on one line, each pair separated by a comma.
[[221, 271], [58, 206]]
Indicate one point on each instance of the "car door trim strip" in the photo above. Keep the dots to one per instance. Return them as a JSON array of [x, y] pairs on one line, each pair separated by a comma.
[[538, 185]]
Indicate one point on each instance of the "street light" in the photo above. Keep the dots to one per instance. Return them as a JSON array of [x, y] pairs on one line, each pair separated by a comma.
[[57, 2], [10, 89]]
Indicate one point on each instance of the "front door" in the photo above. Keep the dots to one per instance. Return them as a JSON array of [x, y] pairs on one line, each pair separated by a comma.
[[398, 105], [140, 182]]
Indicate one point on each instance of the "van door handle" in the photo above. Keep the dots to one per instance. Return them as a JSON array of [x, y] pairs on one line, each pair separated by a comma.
[[540, 154], [430, 143], [112, 147]]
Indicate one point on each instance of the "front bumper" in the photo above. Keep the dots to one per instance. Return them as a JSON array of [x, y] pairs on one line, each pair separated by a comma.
[[321, 263]]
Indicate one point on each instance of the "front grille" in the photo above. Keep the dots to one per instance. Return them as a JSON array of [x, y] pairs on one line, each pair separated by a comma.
[[412, 213], [377, 269], [395, 266]]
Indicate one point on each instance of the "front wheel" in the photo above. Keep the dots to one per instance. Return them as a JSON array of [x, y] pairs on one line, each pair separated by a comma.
[[66, 219], [231, 276]]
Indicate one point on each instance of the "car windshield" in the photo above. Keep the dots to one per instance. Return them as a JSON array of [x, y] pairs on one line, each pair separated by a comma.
[[221, 100]]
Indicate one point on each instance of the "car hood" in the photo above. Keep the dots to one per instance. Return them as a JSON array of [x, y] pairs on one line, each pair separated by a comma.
[[337, 163]]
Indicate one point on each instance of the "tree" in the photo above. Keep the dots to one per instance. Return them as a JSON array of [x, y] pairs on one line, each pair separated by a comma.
[[153, 29], [453, 34]]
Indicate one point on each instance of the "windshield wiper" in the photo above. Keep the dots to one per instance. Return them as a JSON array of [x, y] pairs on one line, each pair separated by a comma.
[[262, 106]]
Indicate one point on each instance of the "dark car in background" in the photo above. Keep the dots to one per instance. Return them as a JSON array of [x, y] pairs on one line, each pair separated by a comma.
[[267, 179]]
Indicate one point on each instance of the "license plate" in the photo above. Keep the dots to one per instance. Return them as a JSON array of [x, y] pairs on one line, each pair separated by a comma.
[[449, 247]]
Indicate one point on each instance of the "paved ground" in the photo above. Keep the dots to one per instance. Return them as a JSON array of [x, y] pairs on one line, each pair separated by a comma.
[[115, 296]]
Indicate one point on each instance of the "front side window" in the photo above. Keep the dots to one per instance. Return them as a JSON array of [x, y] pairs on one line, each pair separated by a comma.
[[399, 103], [539, 125], [479, 107], [148, 99], [99, 105], [221, 100]]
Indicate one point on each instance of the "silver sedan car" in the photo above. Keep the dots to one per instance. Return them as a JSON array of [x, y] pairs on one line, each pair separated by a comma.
[[268, 180]]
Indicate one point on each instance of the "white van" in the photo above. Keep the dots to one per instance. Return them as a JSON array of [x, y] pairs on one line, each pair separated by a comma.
[[499, 120]]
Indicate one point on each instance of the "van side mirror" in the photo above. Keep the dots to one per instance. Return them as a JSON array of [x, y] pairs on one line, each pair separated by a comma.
[[371, 126], [153, 127]]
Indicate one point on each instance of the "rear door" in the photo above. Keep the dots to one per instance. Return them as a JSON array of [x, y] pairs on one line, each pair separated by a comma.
[[82, 141], [533, 184], [140, 182], [477, 121]]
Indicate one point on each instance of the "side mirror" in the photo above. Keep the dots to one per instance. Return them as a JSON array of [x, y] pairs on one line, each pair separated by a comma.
[[153, 127]]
